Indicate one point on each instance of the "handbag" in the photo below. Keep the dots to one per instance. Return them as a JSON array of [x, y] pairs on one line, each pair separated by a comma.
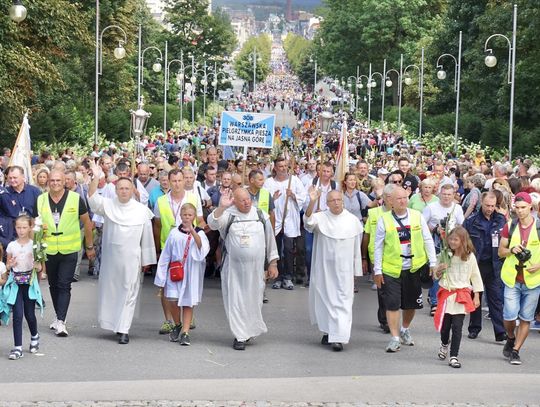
[[176, 268]]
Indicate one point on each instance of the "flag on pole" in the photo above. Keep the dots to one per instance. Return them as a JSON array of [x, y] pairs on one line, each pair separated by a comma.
[[342, 159], [21, 153]]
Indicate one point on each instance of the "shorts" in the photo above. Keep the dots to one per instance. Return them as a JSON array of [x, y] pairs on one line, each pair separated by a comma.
[[520, 302], [403, 292]]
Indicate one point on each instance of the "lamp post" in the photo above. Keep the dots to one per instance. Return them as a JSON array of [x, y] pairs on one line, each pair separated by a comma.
[[193, 81], [215, 81], [370, 84], [441, 75], [408, 80], [156, 67], [253, 57], [389, 84], [139, 119], [204, 83], [314, 61], [491, 61], [119, 53], [17, 11], [179, 80]]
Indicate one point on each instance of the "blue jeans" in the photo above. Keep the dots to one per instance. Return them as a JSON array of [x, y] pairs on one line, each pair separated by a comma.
[[520, 302], [309, 250], [432, 293]]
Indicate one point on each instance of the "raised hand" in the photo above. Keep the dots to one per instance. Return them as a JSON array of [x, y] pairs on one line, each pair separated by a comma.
[[276, 195], [314, 193], [226, 199]]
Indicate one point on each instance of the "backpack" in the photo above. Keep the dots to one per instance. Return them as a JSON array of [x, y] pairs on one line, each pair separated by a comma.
[[332, 183], [513, 227], [229, 224]]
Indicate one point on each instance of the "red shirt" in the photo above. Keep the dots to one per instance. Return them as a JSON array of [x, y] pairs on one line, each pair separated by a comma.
[[524, 234]]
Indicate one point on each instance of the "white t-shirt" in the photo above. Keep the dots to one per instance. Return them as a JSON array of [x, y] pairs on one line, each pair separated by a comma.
[[434, 212], [22, 253]]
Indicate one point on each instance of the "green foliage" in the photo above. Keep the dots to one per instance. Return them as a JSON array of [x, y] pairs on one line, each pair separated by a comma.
[[243, 63]]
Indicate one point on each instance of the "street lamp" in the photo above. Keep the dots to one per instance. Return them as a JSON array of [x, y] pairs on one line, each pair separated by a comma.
[[119, 53], [314, 61], [371, 83], [389, 84], [180, 76], [491, 61], [139, 120], [17, 11], [204, 83], [215, 81], [253, 56], [156, 67], [441, 75], [408, 81]]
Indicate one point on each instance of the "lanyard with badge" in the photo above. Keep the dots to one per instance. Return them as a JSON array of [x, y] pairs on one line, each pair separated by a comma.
[[175, 214], [406, 234]]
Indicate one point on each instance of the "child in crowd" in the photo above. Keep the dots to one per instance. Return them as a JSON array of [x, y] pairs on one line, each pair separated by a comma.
[[454, 296], [188, 245], [21, 290]]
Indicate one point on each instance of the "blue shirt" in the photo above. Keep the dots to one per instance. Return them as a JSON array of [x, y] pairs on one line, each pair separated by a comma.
[[13, 203], [154, 195]]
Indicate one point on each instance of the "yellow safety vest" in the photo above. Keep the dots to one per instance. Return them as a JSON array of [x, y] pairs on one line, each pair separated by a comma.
[[392, 261], [264, 200], [167, 216], [66, 237], [509, 272], [370, 228]]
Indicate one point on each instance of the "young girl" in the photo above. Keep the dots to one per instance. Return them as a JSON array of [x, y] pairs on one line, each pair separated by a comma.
[[454, 296], [21, 290], [190, 246]]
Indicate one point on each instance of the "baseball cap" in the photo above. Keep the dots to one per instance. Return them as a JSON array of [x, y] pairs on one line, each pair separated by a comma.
[[524, 197]]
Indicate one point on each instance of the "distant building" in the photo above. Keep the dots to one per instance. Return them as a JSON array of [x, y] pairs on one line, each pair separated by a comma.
[[243, 24]]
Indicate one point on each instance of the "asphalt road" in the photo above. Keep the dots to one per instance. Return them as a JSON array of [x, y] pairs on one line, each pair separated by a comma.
[[289, 353]]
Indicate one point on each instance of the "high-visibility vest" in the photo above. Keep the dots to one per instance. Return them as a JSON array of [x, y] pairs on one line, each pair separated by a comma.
[[509, 272], [264, 200], [374, 215], [392, 261], [66, 237], [167, 216]]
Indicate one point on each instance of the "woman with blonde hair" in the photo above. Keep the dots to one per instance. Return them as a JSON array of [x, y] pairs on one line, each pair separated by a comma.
[[426, 196], [42, 179]]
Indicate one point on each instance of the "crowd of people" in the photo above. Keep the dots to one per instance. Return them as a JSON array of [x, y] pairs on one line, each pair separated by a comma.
[[462, 226]]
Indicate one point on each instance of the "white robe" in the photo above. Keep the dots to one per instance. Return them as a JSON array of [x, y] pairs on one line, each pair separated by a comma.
[[188, 292], [242, 275], [336, 259], [127, 245]]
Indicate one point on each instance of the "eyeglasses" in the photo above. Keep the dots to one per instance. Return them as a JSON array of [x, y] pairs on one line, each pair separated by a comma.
[[398, 181]]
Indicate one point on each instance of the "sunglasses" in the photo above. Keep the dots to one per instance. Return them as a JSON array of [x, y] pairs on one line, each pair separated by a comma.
[[396, 181]]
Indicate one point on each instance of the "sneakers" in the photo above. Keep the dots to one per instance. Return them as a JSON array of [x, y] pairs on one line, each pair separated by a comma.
[[535, 325], [393, 345], [192, 325], [406, 338], [34, 344], [443, 352], [53, 325], [374, 287], [508, 346], [175, 333], [166, 328], [15, 354], [239, 345], [184, 339], [454, 362], [337, 347], [61, 330], [276, 285], [287, 284], [514, 358]]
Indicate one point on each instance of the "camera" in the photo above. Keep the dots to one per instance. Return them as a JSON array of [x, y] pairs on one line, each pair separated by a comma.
[[524, 255]]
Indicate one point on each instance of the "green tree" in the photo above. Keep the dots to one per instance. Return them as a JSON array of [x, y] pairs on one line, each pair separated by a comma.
[[243, 63]]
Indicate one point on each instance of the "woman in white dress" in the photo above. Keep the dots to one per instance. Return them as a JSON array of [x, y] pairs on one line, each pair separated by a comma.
[[186, 293]]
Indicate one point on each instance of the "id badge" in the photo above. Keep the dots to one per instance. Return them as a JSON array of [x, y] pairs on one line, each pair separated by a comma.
[[494, 240], [245, 241], [56, 217]]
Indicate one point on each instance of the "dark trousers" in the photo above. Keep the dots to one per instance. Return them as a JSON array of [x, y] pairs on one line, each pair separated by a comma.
[[452, 323], [309, 251], [494, 289], [60, 271], [300, 257], [285, 246], [23, 306]]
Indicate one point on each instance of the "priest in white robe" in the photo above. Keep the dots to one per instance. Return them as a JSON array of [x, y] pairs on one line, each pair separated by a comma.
[[128, 245], [248, 244], [336, 260]]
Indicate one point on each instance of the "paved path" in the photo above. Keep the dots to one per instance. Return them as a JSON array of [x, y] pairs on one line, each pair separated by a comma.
[[287, 364]]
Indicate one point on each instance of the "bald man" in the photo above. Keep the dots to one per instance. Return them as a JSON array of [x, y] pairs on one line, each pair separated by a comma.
[[245, 230], [61, 211]]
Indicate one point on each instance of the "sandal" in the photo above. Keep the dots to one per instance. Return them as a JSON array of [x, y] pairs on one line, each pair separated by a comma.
[[15, 354], [433, 310], [454, 362], [34, 347]]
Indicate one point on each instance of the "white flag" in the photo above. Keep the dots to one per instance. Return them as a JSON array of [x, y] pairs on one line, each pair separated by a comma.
[[22, 152]]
